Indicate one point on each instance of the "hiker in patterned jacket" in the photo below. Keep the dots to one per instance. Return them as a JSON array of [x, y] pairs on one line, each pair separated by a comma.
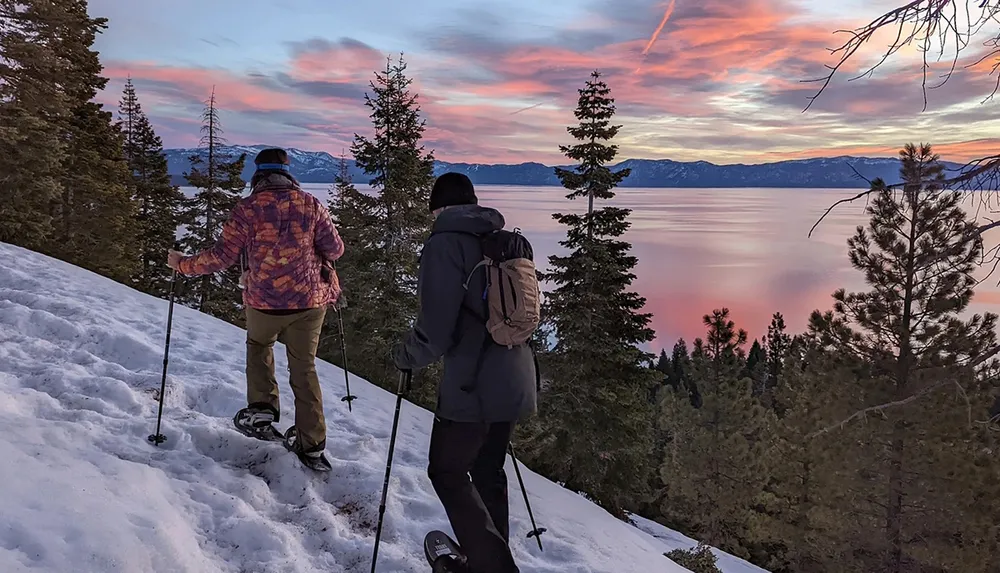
[[289, 243]]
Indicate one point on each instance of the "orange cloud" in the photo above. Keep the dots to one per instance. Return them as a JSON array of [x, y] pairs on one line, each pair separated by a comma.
[[720, 81]]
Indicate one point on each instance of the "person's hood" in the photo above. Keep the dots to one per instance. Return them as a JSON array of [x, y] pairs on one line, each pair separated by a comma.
[[468, 219], [276, 182]]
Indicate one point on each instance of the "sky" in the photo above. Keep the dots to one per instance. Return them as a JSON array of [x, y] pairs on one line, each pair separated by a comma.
[[713, 80]]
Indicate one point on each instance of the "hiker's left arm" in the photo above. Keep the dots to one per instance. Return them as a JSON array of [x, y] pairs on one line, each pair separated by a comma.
[[327, 240], [441, 289], [226, 251]]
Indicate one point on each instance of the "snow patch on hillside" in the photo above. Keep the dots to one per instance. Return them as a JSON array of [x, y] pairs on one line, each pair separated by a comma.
[[84, 491]]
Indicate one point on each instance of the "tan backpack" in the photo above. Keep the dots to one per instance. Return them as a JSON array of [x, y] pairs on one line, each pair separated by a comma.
[[512, 292]]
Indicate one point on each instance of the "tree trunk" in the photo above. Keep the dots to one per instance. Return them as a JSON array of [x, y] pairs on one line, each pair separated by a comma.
[[894, 510]]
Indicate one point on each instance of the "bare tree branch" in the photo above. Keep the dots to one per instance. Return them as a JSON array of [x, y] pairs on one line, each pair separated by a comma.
[[918, 22], [841, 202], [881, 408]]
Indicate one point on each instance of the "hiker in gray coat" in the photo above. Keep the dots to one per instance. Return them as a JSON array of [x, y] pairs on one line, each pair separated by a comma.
[[486, 388]]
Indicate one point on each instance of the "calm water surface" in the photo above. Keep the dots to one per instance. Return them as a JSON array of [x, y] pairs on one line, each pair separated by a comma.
[[701, 249]]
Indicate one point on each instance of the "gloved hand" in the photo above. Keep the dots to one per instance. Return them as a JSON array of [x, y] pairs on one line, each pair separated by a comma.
[[174, 259], [400, 358], [341, 302]]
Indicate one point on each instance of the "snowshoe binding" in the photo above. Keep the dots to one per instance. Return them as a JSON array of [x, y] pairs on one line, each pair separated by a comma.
[[443, 554], [255, 421], [315, 460]]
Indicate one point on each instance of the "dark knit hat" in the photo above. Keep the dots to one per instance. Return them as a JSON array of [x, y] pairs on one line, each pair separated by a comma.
[[452, 189], [272, 159]]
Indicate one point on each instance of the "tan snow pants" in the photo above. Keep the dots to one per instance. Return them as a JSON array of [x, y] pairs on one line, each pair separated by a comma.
[[299, 332]]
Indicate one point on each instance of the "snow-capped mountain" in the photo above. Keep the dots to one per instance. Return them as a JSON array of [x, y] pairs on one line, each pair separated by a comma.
[[826, 172]]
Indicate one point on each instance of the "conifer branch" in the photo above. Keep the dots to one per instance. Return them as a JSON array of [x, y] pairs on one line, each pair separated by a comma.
[[881, 408]]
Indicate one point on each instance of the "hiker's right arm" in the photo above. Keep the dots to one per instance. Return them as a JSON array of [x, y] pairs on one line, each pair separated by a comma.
[[226, 251], [440, 280]]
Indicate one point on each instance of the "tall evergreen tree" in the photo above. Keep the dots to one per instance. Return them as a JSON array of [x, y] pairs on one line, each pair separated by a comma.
[[159, 203], [384, 230], [809, 515], [66, 178], [220, 187], [663, 363], [918, 255], [595, 424], [715, 470], [756, 368], [96, 226], [33, 106], [777, 344]]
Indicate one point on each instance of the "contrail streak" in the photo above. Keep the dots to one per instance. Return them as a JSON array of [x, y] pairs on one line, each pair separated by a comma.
[[526, 109], [656, 34], [663, 22]]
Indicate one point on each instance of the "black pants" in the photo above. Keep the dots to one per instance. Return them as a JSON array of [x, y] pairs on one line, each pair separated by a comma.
[[477, 509]]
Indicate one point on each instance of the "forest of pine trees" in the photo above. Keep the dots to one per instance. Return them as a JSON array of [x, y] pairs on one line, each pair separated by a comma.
[[864, 443]]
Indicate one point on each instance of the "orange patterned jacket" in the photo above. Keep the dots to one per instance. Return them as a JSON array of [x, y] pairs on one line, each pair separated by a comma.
[[288, 238]]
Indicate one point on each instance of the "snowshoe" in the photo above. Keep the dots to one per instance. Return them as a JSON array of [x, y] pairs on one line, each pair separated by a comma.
[[313, 460], [255, 422], [443, 554]]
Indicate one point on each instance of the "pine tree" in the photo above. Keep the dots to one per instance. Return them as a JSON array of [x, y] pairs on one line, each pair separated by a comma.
[[33, 106], [918, 255], [715, 468], [385, 230], [776, 344], [595, 425], [808, 504], [220, 187], [756, 368], [96, 225], [159, 203], [663, 363]]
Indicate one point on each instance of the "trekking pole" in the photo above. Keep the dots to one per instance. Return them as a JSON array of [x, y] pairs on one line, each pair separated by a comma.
[[343, 350], [405, 378], [159, 438], [536, 531]]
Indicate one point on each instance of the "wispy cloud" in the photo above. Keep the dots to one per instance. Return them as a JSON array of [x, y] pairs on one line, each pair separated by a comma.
[[720, 80]]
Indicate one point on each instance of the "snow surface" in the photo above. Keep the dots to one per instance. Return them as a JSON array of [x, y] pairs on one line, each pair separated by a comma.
[[84, 491], [672, 540]]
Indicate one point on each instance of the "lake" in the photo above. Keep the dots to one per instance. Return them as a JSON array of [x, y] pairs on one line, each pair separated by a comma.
[[702, 249]]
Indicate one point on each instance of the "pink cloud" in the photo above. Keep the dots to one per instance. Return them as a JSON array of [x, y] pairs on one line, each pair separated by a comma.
[[716, 68]]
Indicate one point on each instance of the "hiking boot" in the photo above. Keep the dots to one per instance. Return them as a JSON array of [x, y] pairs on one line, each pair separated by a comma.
[[451, 564], [255, 421], [314, 459]]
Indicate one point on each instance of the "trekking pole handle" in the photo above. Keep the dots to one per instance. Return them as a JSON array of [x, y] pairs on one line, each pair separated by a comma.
[[405, 382]]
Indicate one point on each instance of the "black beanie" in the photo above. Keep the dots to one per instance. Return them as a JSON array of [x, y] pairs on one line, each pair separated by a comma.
[[452, 189], [272, 159]]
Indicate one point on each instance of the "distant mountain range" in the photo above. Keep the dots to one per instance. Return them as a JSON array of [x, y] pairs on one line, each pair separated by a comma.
[[826, 172]]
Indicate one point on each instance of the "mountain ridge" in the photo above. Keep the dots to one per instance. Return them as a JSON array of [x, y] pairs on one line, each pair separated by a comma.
[[813, 173]]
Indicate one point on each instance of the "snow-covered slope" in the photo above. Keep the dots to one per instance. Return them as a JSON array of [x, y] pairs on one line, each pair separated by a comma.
[[84, 491], [671, 540]]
